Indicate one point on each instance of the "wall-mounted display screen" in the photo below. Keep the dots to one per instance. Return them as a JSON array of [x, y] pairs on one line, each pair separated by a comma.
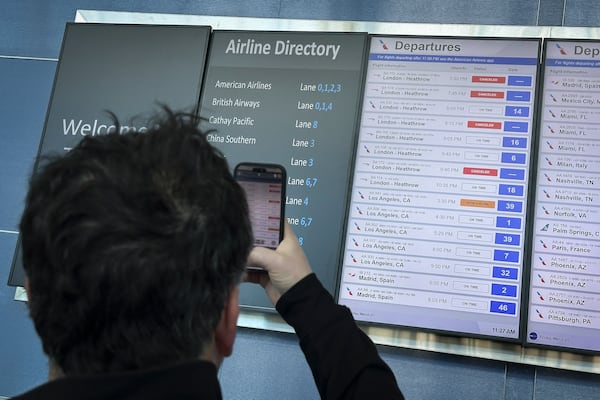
[[564, 300], [126, 69], [436, 227], [291, 98]]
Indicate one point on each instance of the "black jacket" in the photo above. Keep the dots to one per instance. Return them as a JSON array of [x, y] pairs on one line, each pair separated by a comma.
[[343, 360], [194, 380]]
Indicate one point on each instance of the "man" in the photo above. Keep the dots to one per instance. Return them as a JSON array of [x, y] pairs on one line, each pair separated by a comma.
[[134, 246]]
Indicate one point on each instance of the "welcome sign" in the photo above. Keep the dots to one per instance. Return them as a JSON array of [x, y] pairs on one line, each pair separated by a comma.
[[126, 70]]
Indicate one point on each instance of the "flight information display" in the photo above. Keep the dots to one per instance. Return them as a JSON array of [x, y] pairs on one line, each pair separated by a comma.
[[436, 225], [564, 299], [293, 99]]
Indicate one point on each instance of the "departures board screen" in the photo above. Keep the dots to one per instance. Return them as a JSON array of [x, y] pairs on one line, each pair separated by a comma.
[[564, 298], [435, 237], [293, 99]]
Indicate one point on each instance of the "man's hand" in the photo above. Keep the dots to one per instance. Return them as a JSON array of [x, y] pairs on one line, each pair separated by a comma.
[[284, 267]]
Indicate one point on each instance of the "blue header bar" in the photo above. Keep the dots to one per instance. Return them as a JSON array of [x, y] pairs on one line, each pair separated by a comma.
[[452, 59], [562, 62]]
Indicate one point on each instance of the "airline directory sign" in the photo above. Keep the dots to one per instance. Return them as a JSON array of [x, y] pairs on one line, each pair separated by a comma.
[[564, 299], [435, 237], [291, 98]]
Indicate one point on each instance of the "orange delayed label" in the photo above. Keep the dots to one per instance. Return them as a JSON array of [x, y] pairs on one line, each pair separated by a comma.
[[477, 203]]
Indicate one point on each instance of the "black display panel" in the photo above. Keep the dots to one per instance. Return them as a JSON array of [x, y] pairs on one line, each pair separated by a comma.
[[291, 98], [564, 298], [127, 69], [435, 237]]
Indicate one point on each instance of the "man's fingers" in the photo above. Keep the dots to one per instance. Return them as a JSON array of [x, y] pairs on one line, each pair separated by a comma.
[[288, 232], [259, 257], [255, 276]]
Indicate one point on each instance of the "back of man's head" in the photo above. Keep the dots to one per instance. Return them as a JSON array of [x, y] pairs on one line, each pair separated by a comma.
[[131, 244]]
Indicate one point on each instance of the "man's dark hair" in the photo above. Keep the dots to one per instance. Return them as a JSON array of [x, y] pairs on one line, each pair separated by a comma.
[[131, 245]]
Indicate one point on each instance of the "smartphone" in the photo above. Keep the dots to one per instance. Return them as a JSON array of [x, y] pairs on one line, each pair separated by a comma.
[[264, 185]]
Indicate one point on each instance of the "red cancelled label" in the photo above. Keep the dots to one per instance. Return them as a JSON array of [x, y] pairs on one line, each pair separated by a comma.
[[484, 124], [487, 94], [480, 171], [488, 79]]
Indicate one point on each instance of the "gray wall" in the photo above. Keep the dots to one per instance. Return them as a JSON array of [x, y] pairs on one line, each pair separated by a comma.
[[265, 365]]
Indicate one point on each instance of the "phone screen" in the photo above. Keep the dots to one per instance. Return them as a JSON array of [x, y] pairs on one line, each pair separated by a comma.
[[264, 185]]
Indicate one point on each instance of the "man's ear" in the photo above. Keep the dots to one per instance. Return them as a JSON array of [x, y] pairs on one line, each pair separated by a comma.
[[227, 326], [27, 291]]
